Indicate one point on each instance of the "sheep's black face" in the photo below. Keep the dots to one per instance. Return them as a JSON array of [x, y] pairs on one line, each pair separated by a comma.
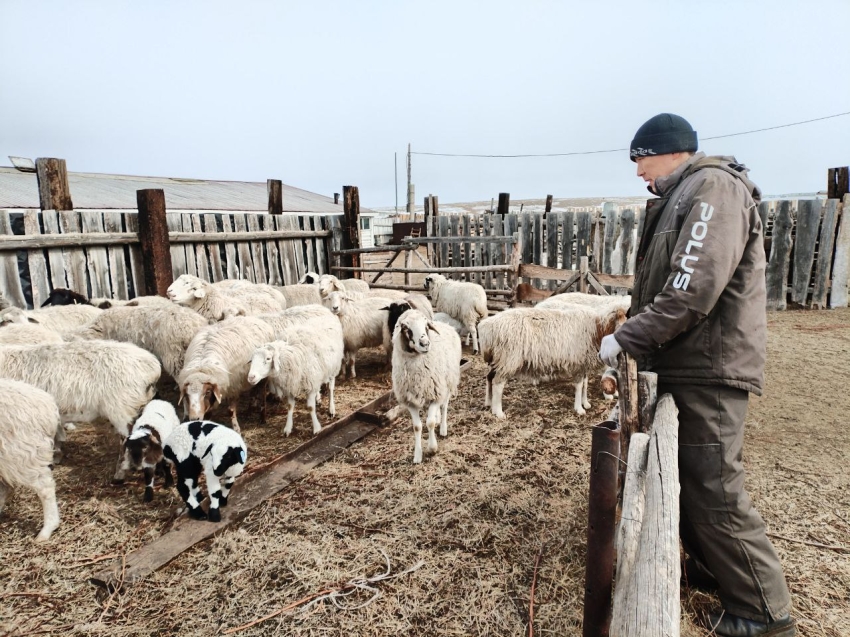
[[395, 312], [428, 281], [136, 447]]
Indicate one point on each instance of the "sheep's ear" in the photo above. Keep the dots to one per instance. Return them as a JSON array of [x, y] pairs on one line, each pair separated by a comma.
[[386, 308], [276, 361], [199, 293], [182, 395], [432, 327], [32, 320], [216, 393]]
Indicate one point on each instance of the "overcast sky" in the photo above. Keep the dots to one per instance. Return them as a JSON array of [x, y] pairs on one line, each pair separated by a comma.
[[321, 94]]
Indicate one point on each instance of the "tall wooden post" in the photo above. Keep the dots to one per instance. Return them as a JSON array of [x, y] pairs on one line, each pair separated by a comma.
[[53, 192], [351, 225], [275, 188], [429, 227], [411, 198], [336, 198], [548, 203], [504, 203], [838, 182], [153, 236]]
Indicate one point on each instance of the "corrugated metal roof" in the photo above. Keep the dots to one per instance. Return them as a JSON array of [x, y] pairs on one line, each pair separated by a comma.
[[108, 192]]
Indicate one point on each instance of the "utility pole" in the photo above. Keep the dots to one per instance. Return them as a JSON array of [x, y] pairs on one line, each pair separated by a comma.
[[395, 162], [410, 191]]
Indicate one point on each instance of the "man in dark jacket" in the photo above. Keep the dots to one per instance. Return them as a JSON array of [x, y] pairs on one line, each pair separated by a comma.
[[698, 320]]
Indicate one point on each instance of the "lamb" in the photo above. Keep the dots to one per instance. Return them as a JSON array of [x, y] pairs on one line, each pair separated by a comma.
[[143, 447], [306, 357], [216, 364], [541, 344], [609, 383], [60, 318], [29, 421], [164, 331], [426, 374], [363, 323], [27, 334], [219, 451], [89, 380], [296, 295], [464, 301], [215, 303]]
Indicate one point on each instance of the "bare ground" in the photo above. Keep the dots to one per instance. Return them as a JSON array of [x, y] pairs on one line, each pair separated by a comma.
[[498, 495]]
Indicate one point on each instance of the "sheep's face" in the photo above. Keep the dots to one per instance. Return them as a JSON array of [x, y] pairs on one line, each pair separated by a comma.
[[263, 361], [428, 281], [335, 302], [186, 289], [143, 448], [609, 384], [431, 279], [14, 315], [200, 396], [414, 332]]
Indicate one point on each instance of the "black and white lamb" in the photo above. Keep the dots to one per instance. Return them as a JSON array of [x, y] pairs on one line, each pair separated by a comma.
[[218, 450], [143, 447]]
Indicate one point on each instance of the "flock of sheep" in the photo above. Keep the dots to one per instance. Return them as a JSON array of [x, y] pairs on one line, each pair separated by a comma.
[[84, 360]]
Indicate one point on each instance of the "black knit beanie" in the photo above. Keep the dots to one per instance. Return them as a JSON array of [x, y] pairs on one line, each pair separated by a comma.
[[662, 134]]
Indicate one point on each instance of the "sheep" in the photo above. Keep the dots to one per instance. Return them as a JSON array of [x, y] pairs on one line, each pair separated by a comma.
[[219, 451], [352, 286], [143, 447], [464, 301], [29, 421], [215, 303], [216, 364], [164, 331], [299, 315], [426, 374], [89, 380], [60, 318], [296, 295], [139, 301], [456, 325], [395, 309], [363, 322], [64, 296], [27, 334], [306, 357], [260, 297], [542, 344]]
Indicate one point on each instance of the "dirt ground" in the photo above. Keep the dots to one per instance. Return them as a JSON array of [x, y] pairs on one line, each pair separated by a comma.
[[472, 521]]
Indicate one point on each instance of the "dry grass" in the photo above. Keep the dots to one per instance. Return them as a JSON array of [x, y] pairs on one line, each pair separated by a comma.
[[477, 515]]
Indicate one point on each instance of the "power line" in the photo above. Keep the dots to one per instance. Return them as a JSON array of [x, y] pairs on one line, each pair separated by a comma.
[[620, 150]]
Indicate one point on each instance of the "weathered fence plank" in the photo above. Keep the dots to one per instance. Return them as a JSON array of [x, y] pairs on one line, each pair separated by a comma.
[[10, 280], [612, 232], [485, 250], [808, 222], [75, 258], [627, 252], [243, 249], [154, 246], [257, 249], [35, 260], [298, 247], [178, 250], [443, 229], [96, 257], [467, 247], [583, 222], [131, 223], [321, 257], [117, 260], [552, 219], [537, 238], [780, 257], [201, 255], [211, 226], [841, 264], [567, 235], [191, 255], [55, 257], [826, 242], [454, 226]]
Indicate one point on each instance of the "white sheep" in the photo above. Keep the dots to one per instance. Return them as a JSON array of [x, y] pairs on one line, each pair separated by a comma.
[[216, 303], [298, 315], [59, 318], [27, 334], [143, 447], [89, 380], [29, 421], [164, 331], [298, 364], [456, 325], [426, 374], [299, 294], [355, 287], [139, 301], [219, 451], [363, 323], [542, 344], [395, 309], [216, 364], [464, 301]]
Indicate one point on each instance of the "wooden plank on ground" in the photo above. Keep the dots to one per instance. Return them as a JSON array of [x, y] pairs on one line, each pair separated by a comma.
[[214, 249], [55, 258], [826, 242], [243, 249], [97, 259], [780, 257], [257, 249], [10, 280], [841, 264], [567, 234], [36, 262], [75, 258], [627, 241], [808, 223], [131, 223], [612, 232], [117, 260]]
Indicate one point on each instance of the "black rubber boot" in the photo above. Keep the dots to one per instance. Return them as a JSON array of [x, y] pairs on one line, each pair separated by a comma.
[[727, 625]]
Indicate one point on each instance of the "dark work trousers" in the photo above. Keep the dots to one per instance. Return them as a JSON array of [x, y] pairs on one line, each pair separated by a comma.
[[719, 527]]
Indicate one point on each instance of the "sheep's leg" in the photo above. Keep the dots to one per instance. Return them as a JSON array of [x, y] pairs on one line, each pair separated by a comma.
[[444, 423], [214, 488], [474, 331], [45, 487], [577, 402], [288, 427], [4, 491], [331, 403], [226, 485], [165, 465], [584, 401], [417, 435], [234, 423], [431, 419], [150, 472], [496, 408], [489, 387], [120, 471], [311, 405], [468, 338], [187, 486], [352, 360], [58, 440]]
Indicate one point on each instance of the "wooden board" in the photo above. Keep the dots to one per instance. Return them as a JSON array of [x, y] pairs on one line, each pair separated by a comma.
[[612, 232], [246, 262], [117, 259], [552, 219], [178, 250], [321, 251], [202, 260], [808, 223], [287, 258], [213, 249], [191, 256], [55, 257], [231, 259], [567, 237], [36, 262], [257, 249], [307, 246], [537, 242], [467, 247], [627, 242], [75, 258], [131, 223], [826, 242], [780, 256], [10, 280], [583, 222], [485, 250], [97, 259], [841, 264], [454, 226]]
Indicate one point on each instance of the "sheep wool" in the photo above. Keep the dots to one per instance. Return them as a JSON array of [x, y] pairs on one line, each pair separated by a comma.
[[363, 322], [464, 301], [29, 421], [217, 450], [300, 294], [143, 447], [27, 334], [60, 318]]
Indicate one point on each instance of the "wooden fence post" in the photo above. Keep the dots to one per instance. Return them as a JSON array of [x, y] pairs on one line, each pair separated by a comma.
[[275, 188], [504, 203], [351, 226], [53, 192], [837, 182], [548, 203], [841, 265], [153, 237], [583, 269], [336, 198]]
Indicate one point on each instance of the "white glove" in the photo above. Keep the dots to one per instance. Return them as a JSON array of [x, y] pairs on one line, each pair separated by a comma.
[[608, 350]]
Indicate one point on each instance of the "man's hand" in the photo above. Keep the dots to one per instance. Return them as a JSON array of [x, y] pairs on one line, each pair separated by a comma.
[[608, 351]]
